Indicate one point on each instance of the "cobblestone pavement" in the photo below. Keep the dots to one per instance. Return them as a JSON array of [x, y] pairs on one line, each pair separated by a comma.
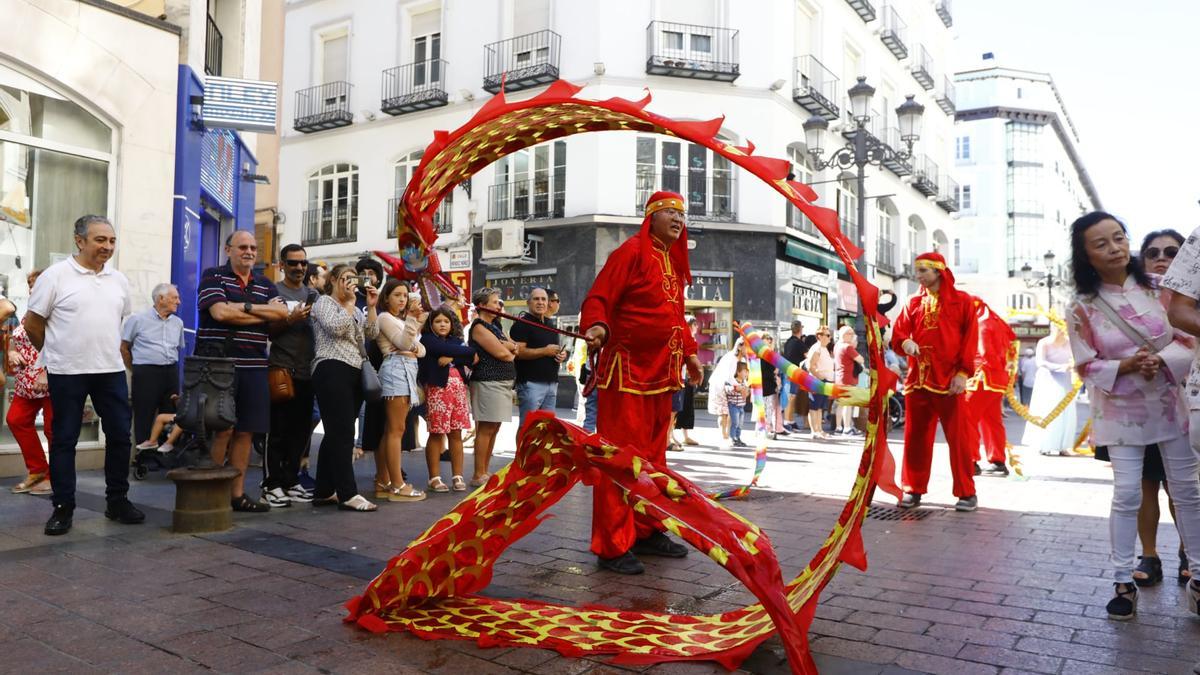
[[1018, 586]]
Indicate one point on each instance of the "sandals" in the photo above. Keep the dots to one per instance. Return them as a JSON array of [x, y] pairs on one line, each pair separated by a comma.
[[244, 504], [382, 490], [357, 503], [1151, 567], [1185, 574], [481, 481], [1123, 606], [42, 489], [458, 483], [436, 485], [31, 481], [690, 441], [398, 494]]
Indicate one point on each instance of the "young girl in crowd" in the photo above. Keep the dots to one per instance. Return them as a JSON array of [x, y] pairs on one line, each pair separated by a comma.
[[399, 322], [443, 374], [736, 392]]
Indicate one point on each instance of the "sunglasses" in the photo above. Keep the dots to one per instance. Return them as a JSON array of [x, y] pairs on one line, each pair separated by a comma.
[[1154, 253], [296, 263]]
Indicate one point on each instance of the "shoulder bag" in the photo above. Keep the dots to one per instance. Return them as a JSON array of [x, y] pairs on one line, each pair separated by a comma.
[[1123, 325], [279, 381], [371, 385]]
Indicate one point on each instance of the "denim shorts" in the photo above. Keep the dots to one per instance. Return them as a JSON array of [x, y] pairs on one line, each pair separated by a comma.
[[398, 374]]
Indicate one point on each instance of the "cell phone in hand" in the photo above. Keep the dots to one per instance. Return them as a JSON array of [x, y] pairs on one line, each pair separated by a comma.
[[363, 281], [312, 297]]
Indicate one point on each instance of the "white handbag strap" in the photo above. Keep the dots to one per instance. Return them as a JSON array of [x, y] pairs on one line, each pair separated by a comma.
[[1123, 325]]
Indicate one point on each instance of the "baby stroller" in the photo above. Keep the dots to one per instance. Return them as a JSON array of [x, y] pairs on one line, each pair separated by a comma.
[[896, 409], [183, 454]]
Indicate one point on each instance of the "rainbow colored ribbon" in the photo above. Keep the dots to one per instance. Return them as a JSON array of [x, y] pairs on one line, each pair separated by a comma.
[[760, 426], [844, 394]]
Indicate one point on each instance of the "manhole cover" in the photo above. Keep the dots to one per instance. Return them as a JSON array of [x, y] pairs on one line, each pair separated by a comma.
[[896, 513]]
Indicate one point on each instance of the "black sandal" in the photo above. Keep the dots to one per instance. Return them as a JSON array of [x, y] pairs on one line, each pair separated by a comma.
[[1151, 566], [243, 504], [1185, 574], [1123, 606]]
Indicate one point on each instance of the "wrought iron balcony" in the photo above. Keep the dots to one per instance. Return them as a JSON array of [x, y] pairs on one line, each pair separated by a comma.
[[948, 197], [885, 256], [329, 225], [874, 128], [523, 62], [893, 162], [816, 88], [894, 33], [326, 106], [213, 44], [945, 97], [925, 175], [696, 52], [441, 218], [710, 194], [922, 68], [864, 9], [943, 11], [414, 86], [533, 199], [800, 222]]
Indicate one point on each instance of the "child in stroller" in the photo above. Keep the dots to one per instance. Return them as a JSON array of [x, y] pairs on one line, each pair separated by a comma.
[[169, 455]]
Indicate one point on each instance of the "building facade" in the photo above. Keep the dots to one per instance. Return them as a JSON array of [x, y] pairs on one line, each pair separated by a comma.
[[365, 87], [1023, 182]]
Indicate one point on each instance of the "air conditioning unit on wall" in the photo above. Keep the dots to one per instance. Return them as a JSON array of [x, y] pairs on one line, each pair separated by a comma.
[[503, 239]]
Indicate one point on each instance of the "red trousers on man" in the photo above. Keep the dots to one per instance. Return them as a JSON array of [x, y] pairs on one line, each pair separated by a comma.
[[986, 425], [642, 421], [922, 411], [22, 418]]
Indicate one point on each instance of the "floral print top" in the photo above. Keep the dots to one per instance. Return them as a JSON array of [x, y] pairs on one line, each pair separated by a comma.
[[1128, 409], [26, 375]]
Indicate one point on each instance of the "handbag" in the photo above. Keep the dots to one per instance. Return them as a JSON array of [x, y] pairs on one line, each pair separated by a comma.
[[372, 387], [280, 384], [748, 406]]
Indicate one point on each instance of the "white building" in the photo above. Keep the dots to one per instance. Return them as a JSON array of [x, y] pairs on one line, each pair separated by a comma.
[[1023, 182], [366, 86]]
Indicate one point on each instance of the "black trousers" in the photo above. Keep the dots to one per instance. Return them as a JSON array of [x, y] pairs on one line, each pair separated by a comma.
[[686, 418], [110, 400], [290, 430], [153, 387], [339, 393]]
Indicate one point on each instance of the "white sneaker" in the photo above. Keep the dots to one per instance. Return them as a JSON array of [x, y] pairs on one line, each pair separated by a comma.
[[297, 493], [275, 498]]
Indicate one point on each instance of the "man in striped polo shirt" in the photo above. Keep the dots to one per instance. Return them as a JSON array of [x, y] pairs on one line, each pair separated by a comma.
[[236, 307]]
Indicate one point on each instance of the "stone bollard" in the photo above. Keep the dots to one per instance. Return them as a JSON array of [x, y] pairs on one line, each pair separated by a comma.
[[202, 499]]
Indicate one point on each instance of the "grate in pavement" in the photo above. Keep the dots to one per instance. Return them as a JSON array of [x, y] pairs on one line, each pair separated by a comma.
[[896, 513]]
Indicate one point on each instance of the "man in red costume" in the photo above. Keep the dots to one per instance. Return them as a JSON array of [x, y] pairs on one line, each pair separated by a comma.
[[985, 389], [937, 330], [634, 314]]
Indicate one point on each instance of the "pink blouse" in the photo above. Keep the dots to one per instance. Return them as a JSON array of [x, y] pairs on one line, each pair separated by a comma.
[[1128, 409]]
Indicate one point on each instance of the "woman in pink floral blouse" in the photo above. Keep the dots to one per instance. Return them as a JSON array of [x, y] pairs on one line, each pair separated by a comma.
[[1133, 362], [30, 396]]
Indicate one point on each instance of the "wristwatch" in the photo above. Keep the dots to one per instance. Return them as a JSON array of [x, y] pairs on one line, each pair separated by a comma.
[[248, 307]]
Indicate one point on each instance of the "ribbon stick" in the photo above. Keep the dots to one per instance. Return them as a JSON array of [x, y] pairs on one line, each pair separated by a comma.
[[760, 426], [844, 394]]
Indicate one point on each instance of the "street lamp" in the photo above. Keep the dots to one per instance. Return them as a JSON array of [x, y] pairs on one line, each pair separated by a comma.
[[1049, 280], [864, 148]]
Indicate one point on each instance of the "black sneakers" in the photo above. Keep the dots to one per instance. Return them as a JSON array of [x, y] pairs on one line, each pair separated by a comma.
[[910, 501], [626, 563], [124, 512], [967, 504], [661, 545], [60, 521]]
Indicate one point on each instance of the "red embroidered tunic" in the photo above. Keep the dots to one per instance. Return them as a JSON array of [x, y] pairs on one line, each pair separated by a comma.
[[945, 330], [995, 338]]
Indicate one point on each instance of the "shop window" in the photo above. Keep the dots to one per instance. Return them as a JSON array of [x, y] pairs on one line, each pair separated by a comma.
[[332, 214]]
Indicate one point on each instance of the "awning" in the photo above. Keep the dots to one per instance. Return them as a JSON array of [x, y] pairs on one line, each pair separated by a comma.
[[814, 256]]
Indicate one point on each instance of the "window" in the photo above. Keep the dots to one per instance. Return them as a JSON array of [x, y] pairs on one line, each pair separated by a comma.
[[332, 214], [802, 168], [402, 172], [702, 43], [964, 200], [673, 39], [957, 251], [334, 60], [962, 147], [530, 184], [847, 201], [427, 52], [704, 178]]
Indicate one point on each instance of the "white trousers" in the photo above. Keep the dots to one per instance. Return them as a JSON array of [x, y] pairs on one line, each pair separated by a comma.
[[1180, 462]]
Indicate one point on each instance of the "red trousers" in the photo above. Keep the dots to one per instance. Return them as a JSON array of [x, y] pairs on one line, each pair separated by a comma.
[[922, 410], [986, 425], [627, 419], [22, 415]]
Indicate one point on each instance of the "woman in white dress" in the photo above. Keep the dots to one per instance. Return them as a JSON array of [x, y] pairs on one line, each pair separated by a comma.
[[723, 372], [1050, 386]]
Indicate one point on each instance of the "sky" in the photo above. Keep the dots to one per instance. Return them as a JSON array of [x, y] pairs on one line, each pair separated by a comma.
[[1128, 74]]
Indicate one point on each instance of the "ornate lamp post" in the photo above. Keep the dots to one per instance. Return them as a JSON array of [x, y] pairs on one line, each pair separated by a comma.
[[1049, 280]]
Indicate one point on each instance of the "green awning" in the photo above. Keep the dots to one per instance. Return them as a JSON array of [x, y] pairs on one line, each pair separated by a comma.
[[814, 256]]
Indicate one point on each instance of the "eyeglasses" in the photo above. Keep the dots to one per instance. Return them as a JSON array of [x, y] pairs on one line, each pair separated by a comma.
[[296, 263], [1155, 253], [246, 247]]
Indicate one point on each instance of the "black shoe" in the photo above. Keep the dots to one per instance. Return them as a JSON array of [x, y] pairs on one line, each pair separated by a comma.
[[967, 504], [1123, 606], [910, 501], [978, 471], [995, 469], [60, 521], [626, 563], [124, 512], [245, 505], [661, 545]]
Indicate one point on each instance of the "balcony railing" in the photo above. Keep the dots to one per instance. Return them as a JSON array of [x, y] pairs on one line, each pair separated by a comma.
[[885, 256], [893, 163], [800, 222], [710, 195], [329, 225], [326, 106], [945, 97], [874, 126], [925, 175], [414, 86], [441, 218], [213, 45], [522, 62], [922, 68], [948, 195], [696, 52], [533, 199], [894, 33], [864, 9], [850, 228], [943, 12], [816, 88]]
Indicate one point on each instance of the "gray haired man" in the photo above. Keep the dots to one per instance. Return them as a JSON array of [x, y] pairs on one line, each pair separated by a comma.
[[150, 344]]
